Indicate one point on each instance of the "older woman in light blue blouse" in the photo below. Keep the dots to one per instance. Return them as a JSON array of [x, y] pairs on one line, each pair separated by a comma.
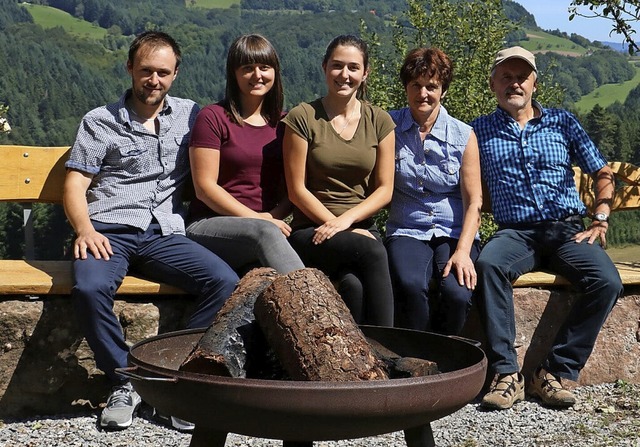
[[432, 230]]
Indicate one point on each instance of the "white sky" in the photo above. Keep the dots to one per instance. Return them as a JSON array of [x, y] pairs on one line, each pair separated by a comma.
[[554, 14]]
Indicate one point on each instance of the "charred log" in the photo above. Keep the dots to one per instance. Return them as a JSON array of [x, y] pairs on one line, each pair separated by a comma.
[[312, 331], [234, 344], [403, 367]]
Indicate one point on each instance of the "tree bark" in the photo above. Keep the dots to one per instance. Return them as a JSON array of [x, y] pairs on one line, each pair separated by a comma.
[[312, 331], [234, 342]]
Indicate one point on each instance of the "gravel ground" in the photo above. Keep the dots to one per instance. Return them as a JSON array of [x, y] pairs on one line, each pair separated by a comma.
[[605, 415]]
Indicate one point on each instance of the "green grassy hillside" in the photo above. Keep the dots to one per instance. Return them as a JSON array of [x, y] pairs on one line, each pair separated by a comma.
[[48, 17], [539, 41], [606, 95]]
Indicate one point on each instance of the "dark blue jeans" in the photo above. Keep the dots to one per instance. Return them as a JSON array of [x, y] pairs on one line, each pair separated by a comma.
[[359, 265], [514, 251], [413, 263], [174, 260]]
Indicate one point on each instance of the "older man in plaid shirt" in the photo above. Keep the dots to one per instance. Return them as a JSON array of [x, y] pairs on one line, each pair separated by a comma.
[[526, 156]]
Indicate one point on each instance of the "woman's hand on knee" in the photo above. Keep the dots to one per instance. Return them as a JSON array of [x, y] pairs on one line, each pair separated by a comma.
[[330, 228]]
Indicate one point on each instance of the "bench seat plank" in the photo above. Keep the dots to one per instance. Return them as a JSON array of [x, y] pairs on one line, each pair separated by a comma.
[[629, 273], [54, 277]]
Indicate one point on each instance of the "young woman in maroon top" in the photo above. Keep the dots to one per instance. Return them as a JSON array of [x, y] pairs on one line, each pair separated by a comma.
[[236, 164]]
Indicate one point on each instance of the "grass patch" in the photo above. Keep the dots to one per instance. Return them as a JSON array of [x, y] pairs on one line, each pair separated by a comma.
[[210, 4], [48, 17], [630, 253], [539, 41], [607, 94]]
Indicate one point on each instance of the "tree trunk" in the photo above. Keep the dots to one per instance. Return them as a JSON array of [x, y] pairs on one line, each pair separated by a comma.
[[312, 331], [234, 342]]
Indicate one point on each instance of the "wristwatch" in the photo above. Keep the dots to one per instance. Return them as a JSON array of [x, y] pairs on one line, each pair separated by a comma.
[[601, 217]]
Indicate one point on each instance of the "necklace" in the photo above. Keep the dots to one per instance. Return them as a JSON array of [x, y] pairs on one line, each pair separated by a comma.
[[353, 112]]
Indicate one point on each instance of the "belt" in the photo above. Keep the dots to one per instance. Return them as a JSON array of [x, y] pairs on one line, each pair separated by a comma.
[[574, 218]]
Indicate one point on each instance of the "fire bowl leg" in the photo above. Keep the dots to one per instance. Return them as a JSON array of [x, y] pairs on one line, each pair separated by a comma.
[[297, 443], [204, 437], [421, 436]]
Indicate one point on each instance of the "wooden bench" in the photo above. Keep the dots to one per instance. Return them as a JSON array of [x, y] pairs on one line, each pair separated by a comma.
[[31, 174], [28, 175]]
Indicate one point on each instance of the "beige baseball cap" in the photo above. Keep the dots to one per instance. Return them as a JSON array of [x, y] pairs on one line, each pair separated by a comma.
[[515, 53]]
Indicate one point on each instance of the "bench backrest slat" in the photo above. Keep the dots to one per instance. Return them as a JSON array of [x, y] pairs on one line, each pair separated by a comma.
[[32, 173], [627, 196]]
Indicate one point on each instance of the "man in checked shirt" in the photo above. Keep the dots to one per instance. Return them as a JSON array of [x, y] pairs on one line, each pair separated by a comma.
[[526, 152], [122, 195]]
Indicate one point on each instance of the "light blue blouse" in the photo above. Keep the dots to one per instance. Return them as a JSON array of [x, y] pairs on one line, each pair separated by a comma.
[[427, 201]]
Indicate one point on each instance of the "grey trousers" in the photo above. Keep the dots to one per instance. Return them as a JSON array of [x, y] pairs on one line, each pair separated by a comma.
[[243, 242]]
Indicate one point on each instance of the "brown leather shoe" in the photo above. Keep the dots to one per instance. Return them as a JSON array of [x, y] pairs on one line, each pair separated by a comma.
[[548, 388], [505, 391]]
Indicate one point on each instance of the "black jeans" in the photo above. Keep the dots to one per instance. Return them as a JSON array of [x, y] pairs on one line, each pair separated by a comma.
[[359, 265]]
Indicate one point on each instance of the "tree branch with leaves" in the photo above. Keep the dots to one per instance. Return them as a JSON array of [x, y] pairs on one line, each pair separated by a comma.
[[621, 13]]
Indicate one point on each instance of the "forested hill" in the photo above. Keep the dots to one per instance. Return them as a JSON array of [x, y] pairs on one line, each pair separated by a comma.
[[51, 77]]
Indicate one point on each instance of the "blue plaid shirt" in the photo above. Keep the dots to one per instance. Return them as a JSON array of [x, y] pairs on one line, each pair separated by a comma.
[[137, 175], [427, 201], [529, 171]]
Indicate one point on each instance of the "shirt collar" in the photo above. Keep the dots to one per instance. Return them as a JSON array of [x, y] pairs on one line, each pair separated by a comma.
[[505, 116], [439, 129]]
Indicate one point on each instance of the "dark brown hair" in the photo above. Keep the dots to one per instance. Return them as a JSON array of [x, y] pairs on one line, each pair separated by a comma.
[[347, 40], [253, 49], [154, 39], [430, 62]]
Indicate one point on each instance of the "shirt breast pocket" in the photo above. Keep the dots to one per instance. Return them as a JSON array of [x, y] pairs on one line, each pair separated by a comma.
[[407, 175], [449, 174], [132, 159]]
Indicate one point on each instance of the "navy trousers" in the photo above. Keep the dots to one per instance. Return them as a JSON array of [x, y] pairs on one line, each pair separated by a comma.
[[413, 264], [514, 251], [173, 259]]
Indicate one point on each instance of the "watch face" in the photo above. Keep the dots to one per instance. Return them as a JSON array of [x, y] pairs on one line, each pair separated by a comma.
[[602, 217]]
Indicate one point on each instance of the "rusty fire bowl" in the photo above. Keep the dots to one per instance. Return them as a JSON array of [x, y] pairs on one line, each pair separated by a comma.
[[305, 411]]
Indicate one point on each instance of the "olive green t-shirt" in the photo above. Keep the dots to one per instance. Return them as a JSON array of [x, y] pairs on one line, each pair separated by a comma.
[[338, 171]]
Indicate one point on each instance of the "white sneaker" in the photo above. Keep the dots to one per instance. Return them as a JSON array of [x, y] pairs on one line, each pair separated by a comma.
[[123, 402]]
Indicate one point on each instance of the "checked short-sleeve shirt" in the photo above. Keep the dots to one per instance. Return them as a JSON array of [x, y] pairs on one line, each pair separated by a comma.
[[137, 175], [529, 171]]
